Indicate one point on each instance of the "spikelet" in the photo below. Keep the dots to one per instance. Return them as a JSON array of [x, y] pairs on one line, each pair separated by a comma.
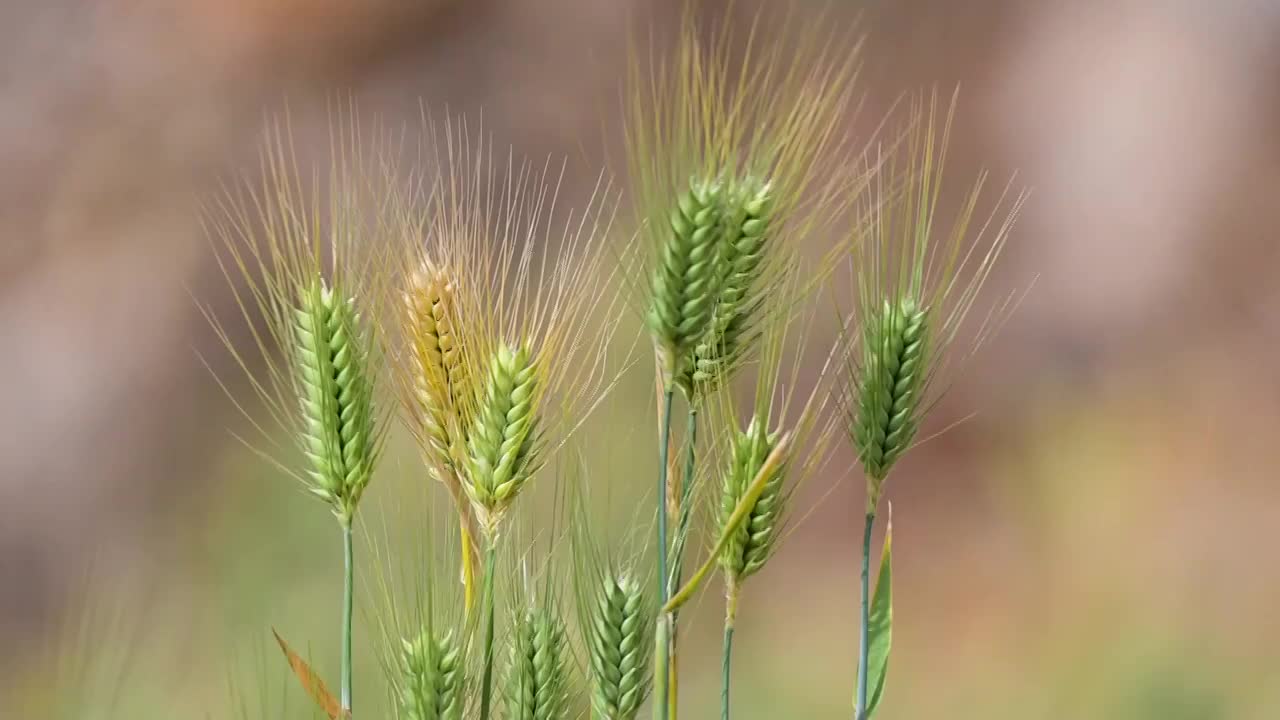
[[337, 396], [916, 286], [432, 680], [537, 683], [301, 280], [617, 626], [730, 157]]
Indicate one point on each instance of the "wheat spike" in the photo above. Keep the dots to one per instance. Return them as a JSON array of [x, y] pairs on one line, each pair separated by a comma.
[[439, 370], [433, 677], [538, 670], [501, 443], [895, 356], [743, 251], [685, 284], [336, 396], [618, 627], [751, 545]]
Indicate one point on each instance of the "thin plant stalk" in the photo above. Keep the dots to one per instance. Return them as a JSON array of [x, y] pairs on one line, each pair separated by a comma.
[[726, 659], [682, 534], [662, 678], [486, 687], [348, 600], [860, 702]]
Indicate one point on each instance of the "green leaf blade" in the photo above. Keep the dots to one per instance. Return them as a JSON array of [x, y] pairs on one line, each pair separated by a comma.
[[880, 625]]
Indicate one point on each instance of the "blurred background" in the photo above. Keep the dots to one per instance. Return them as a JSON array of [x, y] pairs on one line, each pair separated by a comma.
[[1094, 540]]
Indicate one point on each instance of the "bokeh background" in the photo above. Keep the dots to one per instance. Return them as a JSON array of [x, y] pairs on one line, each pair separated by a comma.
[[1094, 540]]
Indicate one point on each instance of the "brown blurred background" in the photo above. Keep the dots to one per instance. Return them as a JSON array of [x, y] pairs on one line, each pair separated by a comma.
[[1095, 542]]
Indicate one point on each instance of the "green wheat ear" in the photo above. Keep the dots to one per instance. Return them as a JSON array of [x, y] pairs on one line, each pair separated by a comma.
[[336, 396], [743, 252], [502, 442], [538, 670], [617, 624], [895, 359], [685, 284], [434, 673], [753, 542]]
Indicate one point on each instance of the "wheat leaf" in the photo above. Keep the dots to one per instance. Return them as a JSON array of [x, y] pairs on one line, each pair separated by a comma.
[[880, 625], [311, 682]]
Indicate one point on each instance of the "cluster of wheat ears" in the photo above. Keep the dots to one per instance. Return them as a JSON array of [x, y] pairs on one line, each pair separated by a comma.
[[456, 301]]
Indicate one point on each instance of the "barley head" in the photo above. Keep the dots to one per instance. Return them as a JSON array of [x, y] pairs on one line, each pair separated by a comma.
[[433, 674], [617, 624], [502, 442], [537, 683], [685, 284], [439, 386], [756, 131], [754, 541], [895, 357], [337, 396], [916, 287], [737, 308], [300, 273]]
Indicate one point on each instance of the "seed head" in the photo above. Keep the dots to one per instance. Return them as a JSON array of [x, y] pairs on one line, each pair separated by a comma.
[[439, 387], [433, 674], [537, 685], [502, 443], [336, 396], [894, 360], [617, 624], [916, 286], [755, 540], [686, 280], [744, 237], [755, 125]]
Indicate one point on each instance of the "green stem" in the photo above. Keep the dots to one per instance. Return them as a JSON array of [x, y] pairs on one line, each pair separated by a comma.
[[486, 688], [661, 677], [860, 702], [730, 617], [348, 593], [682, 534]]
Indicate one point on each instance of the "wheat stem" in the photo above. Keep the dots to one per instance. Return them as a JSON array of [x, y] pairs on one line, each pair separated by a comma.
[[486, 686], [730, 618], [661, 677], [348, 592], [682, 534], [860, 703]]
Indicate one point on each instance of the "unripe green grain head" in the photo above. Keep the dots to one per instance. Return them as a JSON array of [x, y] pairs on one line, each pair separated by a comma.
[[502, 442], [331, 359], [537, 682], [617, 626], [432, 678], [751, 545]]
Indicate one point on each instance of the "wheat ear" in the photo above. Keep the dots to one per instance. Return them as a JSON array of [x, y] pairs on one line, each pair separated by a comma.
[[537, 685], [501, 443], [336, 396], [617, 622], [433, 674], [684, 288]]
